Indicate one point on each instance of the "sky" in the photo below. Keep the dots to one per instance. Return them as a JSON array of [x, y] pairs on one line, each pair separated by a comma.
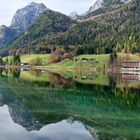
[[9, 7]]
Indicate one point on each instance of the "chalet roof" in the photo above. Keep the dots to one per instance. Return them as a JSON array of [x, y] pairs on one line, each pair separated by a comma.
[[84, 58]]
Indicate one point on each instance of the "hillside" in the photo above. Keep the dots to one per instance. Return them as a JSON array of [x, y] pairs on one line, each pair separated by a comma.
[[6, 34], [48, 23], [116, 30]]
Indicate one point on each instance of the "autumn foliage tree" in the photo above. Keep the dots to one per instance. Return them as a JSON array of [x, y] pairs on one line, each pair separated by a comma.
[[60, 54]]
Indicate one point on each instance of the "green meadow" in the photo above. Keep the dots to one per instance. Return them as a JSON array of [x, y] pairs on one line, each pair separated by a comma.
[[102, 60]]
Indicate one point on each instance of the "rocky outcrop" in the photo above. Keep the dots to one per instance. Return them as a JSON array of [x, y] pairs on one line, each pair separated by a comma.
[[97, 5], [22, 19], [102, 4], [25, 16], [73, 15]]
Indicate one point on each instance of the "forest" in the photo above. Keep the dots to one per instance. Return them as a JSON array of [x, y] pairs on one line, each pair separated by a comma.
[[113, 31]]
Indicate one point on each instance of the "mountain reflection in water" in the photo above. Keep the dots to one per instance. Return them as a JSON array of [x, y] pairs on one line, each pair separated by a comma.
[[60, 131], [58, 106]]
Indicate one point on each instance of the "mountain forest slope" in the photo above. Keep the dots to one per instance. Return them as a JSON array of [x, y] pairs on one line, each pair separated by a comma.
[[116, 30], [47, 24]]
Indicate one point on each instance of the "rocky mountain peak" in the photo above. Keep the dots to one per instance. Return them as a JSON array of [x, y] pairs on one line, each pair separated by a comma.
[[105, 3], [23, 17], [73, 15], [98, 4]]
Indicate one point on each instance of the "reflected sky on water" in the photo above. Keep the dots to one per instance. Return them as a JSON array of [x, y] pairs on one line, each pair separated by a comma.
[[42, 105], [63, 130]]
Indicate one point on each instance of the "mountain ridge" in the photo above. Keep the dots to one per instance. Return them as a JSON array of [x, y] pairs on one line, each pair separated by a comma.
[[117, 30], [102, 6], [49, 23], [22, 19], [24, 16]]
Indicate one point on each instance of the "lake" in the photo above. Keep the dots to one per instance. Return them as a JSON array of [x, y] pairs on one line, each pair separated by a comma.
[[69, 105]]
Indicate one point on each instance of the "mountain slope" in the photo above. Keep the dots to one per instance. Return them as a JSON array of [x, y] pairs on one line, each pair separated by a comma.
[[48, 23], [117, 30], [20, 22], [6, 33]]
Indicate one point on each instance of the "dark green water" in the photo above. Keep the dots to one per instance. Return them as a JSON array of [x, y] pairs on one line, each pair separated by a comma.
[[40, 105]]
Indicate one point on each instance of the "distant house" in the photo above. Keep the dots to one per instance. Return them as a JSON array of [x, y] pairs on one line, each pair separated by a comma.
[[83, 60], [131, 65], [87, 60], [131, 76]]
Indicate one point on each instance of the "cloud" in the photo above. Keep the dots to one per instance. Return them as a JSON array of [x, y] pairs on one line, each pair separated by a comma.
[[9, 7]]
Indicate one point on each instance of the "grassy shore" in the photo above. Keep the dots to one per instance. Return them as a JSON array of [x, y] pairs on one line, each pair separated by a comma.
[[102, 60], [29, 58]]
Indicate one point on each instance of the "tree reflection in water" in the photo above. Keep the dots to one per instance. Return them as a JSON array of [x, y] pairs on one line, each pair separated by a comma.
[[113, 111]]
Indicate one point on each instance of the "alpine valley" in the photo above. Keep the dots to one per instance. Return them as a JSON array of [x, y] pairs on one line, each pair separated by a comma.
[[109, 26], [71, 77]]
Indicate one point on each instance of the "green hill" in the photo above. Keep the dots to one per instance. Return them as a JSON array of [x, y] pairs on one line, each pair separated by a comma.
[[49, 23], [114, 31]]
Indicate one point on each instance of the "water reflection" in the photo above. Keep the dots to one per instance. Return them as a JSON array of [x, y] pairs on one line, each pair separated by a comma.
[[49, 104], [60, 131], [64, 78]]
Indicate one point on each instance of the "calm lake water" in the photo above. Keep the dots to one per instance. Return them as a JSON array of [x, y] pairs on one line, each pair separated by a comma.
[[69, 105]]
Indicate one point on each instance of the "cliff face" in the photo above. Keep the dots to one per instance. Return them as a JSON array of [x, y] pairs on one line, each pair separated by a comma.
[[97, 5], [22, 19], [73, 15], [102, 4]]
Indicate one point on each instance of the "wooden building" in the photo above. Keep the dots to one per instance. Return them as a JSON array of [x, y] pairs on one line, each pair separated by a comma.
[[131, 76], [131, 65]]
